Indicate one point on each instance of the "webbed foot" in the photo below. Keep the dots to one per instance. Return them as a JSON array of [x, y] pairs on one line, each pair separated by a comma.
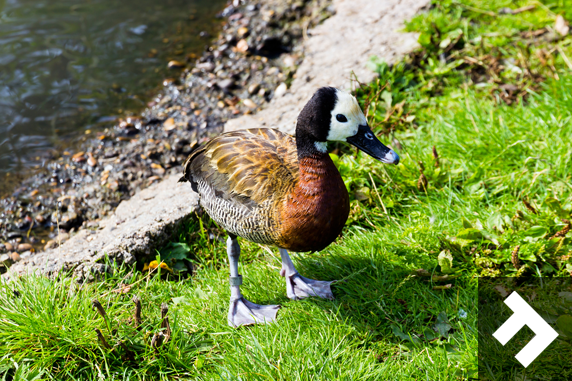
[[299, 287], [244, 312]]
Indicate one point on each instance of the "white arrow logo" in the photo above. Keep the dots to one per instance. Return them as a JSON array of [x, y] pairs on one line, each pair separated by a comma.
[[523, 315]]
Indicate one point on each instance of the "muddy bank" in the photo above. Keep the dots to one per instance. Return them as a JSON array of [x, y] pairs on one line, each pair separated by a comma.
[[252, 61]]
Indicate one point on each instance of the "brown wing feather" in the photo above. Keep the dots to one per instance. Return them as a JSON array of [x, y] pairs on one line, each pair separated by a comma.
[[248, 166]]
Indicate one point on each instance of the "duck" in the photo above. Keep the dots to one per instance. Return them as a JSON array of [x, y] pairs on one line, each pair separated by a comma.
[[285, 191]]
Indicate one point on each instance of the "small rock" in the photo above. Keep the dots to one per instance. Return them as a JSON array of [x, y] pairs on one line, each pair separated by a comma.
[[236, 16], [175, 64], [78, 157], [272, 71], [248, 103], [242, 46], [62, 237], [15, 257], [51, 244], [40, 219], [225, 84], [289, 60], [91, 160], [253, 89], [169, 124], [24, 247], [8, 246], [280, 90], [6, 260], [206, 66], [242, 31], [204, 34]]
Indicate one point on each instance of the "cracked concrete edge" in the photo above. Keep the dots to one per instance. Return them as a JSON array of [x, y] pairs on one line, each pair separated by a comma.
[[341, 45], [138, 227]]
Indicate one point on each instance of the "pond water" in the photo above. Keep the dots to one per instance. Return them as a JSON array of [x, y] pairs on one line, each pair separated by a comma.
[[67, 66]]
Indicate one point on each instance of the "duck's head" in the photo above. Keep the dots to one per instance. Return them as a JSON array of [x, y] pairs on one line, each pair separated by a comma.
[[334, 115]]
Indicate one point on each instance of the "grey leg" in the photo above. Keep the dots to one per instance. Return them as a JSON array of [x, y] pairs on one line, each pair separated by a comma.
[[241, 311], [298, 287]]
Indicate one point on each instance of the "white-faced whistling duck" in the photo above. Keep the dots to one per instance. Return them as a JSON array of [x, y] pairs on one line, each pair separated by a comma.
[[274, 189]]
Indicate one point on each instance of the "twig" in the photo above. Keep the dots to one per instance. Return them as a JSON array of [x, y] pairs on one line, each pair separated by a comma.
[[165, 322], [378, 196], [97, 305], [529, 206], [565, 58], [102, 339], [129, 355], [137, 315], [436, 157], [476, 10], [514, 257], [157, 341]]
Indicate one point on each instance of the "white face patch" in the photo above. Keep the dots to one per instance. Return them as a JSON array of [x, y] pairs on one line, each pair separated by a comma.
[[348, 107]]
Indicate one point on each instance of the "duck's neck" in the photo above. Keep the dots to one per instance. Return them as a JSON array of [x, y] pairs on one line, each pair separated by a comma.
[[316, 169], [308, 147]]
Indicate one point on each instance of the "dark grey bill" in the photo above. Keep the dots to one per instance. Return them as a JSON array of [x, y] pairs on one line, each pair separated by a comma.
[[366, 141]]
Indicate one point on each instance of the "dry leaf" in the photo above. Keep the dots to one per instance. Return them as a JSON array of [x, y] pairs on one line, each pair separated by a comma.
[[501, 290], [123, 289], [561, 26]]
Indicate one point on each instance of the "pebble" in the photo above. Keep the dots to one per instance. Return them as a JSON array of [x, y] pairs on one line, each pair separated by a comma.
[[91, 160], [24, 247], [169, 124], [242, 31], [78, 157], [206, 66], [175, 65], [280, 90], [6, 260], [62, 237], [242, 46], [249, 103], [8, 246], [51, 244], [15, 257], [225, 84], [253, 89]]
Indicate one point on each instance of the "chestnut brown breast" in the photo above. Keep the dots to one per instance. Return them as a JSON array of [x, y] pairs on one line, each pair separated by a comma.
[[315, 211]]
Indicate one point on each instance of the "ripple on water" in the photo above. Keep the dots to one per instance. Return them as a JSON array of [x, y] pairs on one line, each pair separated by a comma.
[[66, 67]]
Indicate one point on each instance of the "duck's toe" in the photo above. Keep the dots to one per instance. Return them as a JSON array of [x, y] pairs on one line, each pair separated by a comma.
[[244, 312], [299, 287]]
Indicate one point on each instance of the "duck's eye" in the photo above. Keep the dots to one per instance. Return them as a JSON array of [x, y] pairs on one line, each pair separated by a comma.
[[341, 118]]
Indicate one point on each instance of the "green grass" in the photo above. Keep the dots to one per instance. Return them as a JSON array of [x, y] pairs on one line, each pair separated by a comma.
[[418, 238]]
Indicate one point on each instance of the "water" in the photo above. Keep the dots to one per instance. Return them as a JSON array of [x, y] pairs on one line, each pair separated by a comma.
[[68, 65]]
